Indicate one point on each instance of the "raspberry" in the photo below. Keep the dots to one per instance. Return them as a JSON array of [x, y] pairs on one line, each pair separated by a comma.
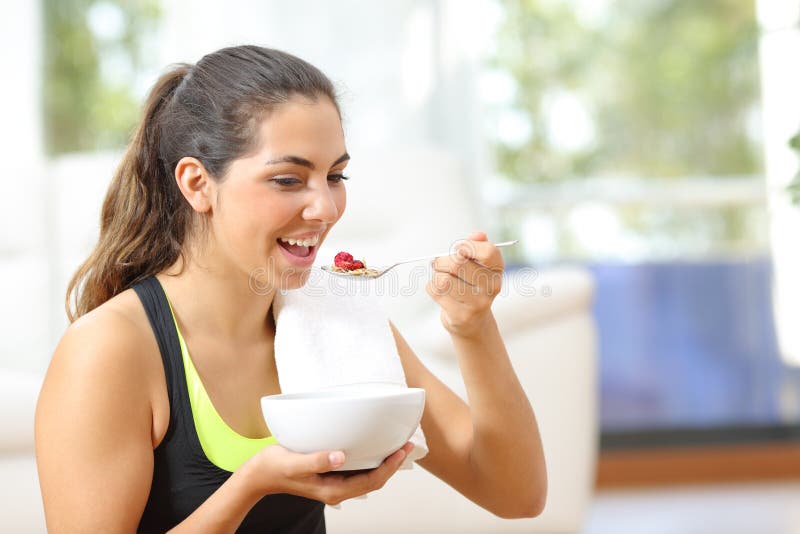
[[352, 265], [342, 257], [344, 260]]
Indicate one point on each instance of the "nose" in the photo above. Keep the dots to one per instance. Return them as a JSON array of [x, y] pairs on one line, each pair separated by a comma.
[[322, 205]]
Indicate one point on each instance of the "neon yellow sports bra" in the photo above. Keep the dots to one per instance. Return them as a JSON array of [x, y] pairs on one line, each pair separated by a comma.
[[223, 446]]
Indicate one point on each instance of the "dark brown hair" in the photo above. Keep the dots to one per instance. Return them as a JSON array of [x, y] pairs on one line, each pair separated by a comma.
[[210, 111]]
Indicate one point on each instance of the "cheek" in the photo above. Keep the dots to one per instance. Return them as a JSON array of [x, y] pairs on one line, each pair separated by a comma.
[[341, 202], [250, 225]]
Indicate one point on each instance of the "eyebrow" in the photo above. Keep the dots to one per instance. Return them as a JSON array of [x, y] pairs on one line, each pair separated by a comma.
[[297, 160]]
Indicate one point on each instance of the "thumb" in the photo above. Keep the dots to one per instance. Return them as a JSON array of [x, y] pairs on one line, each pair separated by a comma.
[[301, 465], [325, 461]]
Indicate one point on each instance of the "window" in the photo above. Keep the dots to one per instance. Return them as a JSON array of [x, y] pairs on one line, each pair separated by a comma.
[[96, 61], [627, 137]]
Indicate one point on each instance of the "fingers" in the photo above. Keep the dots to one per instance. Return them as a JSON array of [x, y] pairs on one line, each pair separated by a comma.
[[464, 309], [465, 282], [408, 447], [478, 249], [315, 463], [376, 479], [469, 278], [459, 267], [473, 272], [393, 462]]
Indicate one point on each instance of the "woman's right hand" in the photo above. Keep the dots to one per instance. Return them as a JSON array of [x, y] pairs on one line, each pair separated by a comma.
[[276, 469]]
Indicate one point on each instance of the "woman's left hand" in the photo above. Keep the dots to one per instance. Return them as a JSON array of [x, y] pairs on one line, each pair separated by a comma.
[[465, 284]]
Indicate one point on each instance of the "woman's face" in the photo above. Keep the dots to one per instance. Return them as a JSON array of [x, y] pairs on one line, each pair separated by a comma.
[[291, 187]]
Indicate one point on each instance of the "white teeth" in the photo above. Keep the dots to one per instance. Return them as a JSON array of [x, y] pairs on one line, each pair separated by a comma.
[[310, 242]]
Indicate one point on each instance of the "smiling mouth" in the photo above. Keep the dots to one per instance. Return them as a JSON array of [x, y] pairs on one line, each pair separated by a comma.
[[297, 250]]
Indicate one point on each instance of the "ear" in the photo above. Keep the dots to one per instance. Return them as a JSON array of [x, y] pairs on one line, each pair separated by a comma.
[[195, 184]]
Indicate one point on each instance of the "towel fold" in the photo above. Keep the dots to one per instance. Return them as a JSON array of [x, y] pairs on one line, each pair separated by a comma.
[[333, 334]]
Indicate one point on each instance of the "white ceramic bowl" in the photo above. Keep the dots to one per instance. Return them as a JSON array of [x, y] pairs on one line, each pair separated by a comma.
[[368, 423]]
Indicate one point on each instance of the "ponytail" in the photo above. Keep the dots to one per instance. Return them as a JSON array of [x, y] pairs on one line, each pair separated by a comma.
[[142, 219]]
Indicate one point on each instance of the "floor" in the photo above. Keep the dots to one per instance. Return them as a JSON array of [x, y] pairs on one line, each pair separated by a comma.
[[772, 508]]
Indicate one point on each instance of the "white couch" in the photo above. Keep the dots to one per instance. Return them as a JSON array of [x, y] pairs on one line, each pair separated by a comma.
[[404, 204], [20, 501]]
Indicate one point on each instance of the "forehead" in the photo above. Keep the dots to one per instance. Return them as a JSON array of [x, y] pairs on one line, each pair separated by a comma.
[[305, 128]]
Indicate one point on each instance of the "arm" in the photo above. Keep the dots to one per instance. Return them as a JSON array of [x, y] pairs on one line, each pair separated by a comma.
[[490, 451], [94, 449]]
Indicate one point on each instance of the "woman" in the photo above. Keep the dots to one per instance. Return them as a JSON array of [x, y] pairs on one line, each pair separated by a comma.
[[235, 155]]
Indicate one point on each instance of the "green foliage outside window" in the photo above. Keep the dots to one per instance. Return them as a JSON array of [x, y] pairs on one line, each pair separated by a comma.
[[86, 108], [670, 85]]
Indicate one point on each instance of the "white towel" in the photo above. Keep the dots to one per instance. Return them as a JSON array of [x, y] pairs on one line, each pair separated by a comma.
[[332, 333]]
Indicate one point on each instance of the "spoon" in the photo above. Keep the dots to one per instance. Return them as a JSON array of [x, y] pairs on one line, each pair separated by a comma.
[[377, 273]]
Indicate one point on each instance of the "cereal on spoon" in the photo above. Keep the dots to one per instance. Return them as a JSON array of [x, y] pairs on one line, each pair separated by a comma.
[[344, 263]]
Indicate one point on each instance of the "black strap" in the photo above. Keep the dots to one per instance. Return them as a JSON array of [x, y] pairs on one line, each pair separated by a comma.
[[156, 305]]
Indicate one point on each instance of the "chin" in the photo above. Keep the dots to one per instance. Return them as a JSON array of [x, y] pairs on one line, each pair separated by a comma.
[[267, 279], [297, 280]]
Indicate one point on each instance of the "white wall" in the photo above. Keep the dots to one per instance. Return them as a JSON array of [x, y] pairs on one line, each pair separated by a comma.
[[25, 281], [21, 62]]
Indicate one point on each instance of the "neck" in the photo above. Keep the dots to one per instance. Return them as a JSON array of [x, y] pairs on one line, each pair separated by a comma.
[[218, 303]]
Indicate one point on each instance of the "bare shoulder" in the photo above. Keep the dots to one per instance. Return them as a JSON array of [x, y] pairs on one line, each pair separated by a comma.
[[110, 357], [114, 338]]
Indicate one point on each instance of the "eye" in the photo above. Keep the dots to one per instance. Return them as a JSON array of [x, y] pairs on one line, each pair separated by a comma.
[[337, 178], [286, 181]]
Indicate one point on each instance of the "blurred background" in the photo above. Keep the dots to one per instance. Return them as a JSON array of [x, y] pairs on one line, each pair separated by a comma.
[[652, 143]]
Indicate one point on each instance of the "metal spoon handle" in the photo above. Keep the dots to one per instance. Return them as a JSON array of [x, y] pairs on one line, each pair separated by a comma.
[[430, 257]]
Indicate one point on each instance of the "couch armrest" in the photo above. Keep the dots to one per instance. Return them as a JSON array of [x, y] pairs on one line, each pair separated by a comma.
[[531, 297]]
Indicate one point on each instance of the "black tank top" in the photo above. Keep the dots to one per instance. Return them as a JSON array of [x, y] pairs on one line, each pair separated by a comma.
[[183, 477]]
